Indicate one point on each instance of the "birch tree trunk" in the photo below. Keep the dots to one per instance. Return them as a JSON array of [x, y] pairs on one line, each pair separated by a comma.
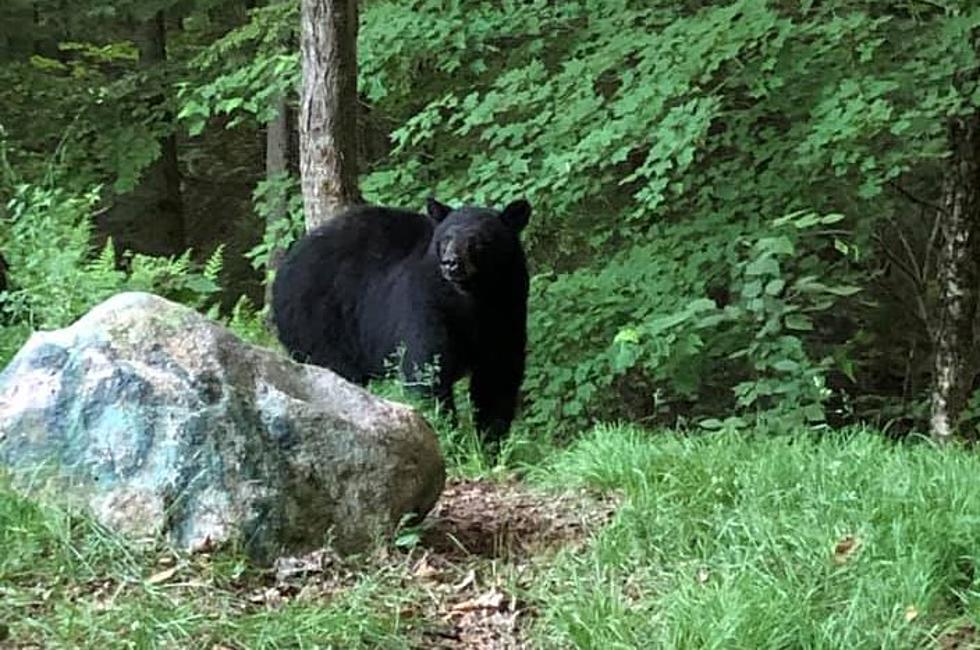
[[328, 108], [957, 265]]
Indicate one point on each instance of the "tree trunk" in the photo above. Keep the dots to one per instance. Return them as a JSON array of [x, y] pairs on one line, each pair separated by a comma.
[[957, 265], [328, 108], [150, 219], [162, 178], [276, 166]]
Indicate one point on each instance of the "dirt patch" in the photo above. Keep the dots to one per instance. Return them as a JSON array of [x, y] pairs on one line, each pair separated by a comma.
[[508, 521], [480, 545], [464, 607], [965, 637], [478, 552]]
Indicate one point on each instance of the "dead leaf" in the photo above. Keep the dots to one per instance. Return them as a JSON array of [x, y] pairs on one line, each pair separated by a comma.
[[273, 597], [492, 600], [204, 546], [468, 579], [162, 576], [846, 548], [424, 570], [270, 596], [288, 567], [911, 613]]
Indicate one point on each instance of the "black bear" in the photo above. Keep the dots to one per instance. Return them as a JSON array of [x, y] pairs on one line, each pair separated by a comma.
[[449, 289]]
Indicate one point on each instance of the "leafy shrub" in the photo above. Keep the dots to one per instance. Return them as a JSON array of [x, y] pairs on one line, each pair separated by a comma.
[[56, 276], [658, 141], [279, 203], [632, 340]]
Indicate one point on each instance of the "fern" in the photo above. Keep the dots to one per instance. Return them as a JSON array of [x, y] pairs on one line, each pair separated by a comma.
[[213, 265]]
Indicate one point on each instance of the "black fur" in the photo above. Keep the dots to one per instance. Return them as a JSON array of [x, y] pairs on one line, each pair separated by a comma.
[[450, 288]]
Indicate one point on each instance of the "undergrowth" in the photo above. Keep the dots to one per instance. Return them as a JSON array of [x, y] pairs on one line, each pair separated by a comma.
[[721, 541]]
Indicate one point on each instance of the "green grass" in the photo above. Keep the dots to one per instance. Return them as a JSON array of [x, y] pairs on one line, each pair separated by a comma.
[[66, 582], [728, 542], [721, 541], [464, 453]]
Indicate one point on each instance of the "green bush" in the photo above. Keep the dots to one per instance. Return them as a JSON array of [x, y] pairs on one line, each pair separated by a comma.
[[56, 275], [644, 327]]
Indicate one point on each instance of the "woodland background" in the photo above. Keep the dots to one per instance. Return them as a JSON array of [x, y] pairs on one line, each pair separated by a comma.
[[752, 217], [739, 205]]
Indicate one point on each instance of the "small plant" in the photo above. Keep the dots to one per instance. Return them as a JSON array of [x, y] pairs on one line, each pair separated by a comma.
[[279, 203], [249, 324], [409, 532]]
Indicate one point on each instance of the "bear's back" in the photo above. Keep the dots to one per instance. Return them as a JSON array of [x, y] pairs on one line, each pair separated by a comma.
[[373, 236], [331, 275]]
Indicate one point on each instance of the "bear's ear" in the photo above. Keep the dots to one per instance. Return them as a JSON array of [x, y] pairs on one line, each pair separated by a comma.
[[517, 214], [436, 210]]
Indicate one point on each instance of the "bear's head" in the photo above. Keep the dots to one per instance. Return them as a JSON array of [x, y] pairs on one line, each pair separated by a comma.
[[474, 245]]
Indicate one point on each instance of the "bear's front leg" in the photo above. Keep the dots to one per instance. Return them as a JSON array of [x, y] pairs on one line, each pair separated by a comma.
[[495, 390]]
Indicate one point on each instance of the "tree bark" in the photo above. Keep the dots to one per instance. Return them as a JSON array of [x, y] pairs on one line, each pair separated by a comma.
[[957, 265], [328, 108], [277, 139], [163, 176]]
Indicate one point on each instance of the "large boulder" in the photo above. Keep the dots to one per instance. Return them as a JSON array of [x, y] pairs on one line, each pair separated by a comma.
[[163, 423]]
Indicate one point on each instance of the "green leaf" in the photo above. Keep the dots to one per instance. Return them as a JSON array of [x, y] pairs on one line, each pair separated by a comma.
[[627, 335], [230, 104], [752, 289], [776, 245], [774, 287], [814, 413], [831, 218], [786, 365], [843, 290], [798, 322], [765, 265]]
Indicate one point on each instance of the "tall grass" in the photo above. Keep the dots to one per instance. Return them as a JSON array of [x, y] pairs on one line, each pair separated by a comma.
[[721, 541], [731, 542], [66, 582]]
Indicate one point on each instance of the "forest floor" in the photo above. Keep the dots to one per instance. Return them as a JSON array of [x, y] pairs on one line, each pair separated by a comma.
[[481, 528], [484, 538], [624, 540]]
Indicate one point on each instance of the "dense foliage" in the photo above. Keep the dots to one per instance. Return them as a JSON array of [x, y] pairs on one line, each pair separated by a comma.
[[734, 200]]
